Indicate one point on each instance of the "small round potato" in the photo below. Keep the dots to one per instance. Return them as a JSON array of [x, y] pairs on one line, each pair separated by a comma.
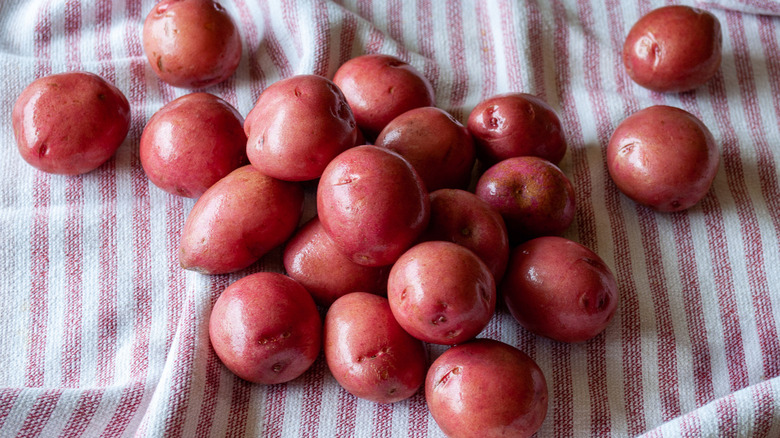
[[534, 196], [70, 123], [439, 147], [486, 388], [464, 218], [663, 157], [373, 204], [238, 220], [560, 289], [441, 292], [191, 143], [380, 88], [673, 48], [191, 43], [312, 259], [368, 353], [514, 125], [297, 126], [266, 328]]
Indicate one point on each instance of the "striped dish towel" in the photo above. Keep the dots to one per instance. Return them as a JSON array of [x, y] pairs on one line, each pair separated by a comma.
[[103, 334]]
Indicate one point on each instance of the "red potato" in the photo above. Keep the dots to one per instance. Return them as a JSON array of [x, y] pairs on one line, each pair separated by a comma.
[[70, 123], [238, 220], [673, 48], [464, 218], [516, 124], [297, 126], [266, 328], [532, 195], [486, 388], [373, 204], [380, 88], [559, 289], [191, 143], [441, 293], [439, 147], [368, 353], [663, 157], [313, 260], [191, 43]]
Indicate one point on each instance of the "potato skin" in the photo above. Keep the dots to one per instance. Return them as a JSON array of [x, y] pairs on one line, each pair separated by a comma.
[[441, 292], [191, 143], [297, 126], [663, 157], [70, 123], [368, 352], [373, 204], [191, 43], [516, 124], [486, 388], [560, 289], [313, 260], [673, 48], [266, 328], [534, 197], [439, 147], [238, 220], [464, 218], [379, 88]]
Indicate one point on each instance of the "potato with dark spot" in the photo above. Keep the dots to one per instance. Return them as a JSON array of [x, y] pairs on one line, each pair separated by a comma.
[[486, 388], [559, 289], [266, 328], [191, 43], [673, 48], [441, 292], [70, 123], [368, 352]]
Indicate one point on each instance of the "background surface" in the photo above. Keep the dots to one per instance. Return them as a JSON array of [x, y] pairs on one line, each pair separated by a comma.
[[102, 334]]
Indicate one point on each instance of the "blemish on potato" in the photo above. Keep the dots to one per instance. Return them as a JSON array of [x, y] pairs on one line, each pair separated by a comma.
[[447, 376], [441, 319], [627, 148]]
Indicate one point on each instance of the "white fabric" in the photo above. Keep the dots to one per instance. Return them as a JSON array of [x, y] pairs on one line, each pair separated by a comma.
[[103, 334]]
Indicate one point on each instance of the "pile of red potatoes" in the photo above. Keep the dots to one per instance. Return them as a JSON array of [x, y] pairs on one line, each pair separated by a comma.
[[422, 223]]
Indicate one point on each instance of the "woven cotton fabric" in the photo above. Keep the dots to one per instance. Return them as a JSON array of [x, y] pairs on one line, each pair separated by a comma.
[[102, 334]]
